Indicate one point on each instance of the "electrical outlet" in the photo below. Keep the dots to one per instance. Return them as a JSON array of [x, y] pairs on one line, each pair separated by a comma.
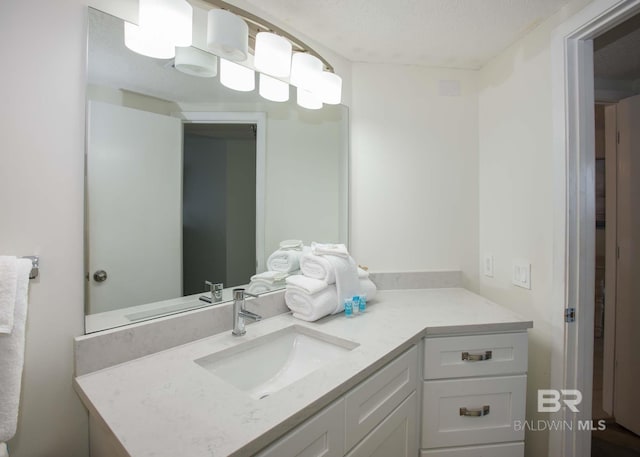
[[487, 265], [521, 274]]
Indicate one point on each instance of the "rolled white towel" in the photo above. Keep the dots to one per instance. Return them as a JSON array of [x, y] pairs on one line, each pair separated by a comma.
[[311, 307], [329, 249], [307, 285], [258, 286], [319, 267], [270, 276], [285, 260]]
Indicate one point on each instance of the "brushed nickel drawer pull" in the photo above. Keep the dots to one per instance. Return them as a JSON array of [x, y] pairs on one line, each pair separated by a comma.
[[476, 357], [475, 412]]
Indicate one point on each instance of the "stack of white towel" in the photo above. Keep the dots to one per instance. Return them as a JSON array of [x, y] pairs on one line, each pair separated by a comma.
[[329, 276], [14, 285]]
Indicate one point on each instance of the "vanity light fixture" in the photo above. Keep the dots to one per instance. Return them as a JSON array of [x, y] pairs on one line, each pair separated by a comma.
[[305, 71], [308, 99], [272, 54], [330, 88], [273, 89], [228, 35], [163, 25], [196, 62], [237, 77]]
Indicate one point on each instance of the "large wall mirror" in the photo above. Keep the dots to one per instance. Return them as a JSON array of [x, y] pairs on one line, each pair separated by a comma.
[[188, 181]]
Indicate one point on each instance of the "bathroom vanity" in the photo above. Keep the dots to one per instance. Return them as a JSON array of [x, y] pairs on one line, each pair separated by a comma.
[[431, 372]]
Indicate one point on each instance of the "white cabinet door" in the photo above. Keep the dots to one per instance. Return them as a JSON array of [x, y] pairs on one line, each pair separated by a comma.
[[320, 436], [395, 436], [374, 399]]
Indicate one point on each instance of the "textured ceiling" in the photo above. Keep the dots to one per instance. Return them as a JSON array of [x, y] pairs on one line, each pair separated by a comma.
[[443, 33]]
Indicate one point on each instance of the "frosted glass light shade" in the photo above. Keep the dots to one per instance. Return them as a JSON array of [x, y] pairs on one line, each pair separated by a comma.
[[163, 25], [307, 99], [272, 54], [236, 76], [330, 88], [305, 71], [196, 62], [228, 35], [273, 89]]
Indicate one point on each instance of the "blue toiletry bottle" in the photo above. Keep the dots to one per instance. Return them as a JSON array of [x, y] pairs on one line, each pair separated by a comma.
[[362, 303], [356, 304], [348, 307]]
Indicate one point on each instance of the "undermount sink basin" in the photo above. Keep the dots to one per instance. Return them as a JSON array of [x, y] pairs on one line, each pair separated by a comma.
[[271, 362]]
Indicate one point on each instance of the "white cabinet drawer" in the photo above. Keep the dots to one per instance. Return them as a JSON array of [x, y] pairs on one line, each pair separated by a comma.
[[477, 355], [395, 436], [320, 436], [374, 399], [496, 450], [447, 423]]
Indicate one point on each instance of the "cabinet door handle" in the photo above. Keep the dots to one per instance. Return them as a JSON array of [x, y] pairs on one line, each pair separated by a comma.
[[475, 412], [476, 357]]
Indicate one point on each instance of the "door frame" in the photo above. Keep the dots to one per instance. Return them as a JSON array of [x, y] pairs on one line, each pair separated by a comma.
[[574, 210], [244, 117]]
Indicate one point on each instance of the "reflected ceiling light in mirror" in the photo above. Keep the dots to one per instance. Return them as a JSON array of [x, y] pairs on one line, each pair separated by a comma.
[[308, 99], [330, 88], [272, 54], [163, 25], [273, 89], [305, 71], [236, 77], [196, 62], [228, 35]]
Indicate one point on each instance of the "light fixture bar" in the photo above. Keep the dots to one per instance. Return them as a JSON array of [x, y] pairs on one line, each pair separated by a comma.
[[257, 24]]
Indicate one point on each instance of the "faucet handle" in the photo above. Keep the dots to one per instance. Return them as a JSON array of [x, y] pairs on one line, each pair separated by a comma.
[[215, 289]]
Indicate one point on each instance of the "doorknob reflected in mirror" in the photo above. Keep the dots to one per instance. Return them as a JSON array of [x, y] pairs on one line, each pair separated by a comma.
[[100, 276]]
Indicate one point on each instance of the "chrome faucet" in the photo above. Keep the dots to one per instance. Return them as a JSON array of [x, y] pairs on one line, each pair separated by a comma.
[[240, 313]]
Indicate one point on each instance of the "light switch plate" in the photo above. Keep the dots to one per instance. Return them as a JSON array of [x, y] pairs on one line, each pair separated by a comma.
[[487, 265], [521, 273]]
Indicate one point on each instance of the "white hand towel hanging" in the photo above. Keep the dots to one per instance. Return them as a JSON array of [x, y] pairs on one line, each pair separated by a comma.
[[8, 283], [12, 355]]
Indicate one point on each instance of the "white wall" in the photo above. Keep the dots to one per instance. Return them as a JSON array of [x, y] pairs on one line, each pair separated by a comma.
[[516, 185], [414, 186], [41, 202]]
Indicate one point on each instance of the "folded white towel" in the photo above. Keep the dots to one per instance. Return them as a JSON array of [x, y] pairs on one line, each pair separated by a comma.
[[8, 281], [271, 276], [291, 244], [285, 260], [306, 284], [319, 267], [4, 452], [311, 307], [347, 282], [12, 355], [329, 249]]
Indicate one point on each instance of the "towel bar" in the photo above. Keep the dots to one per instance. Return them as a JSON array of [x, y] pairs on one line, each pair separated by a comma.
[[35, 265]]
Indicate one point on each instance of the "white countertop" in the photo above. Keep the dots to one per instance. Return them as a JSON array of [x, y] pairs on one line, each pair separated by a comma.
[[165, 404]]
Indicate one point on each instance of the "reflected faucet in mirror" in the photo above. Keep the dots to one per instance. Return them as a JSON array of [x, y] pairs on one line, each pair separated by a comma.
[[215, 290]]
